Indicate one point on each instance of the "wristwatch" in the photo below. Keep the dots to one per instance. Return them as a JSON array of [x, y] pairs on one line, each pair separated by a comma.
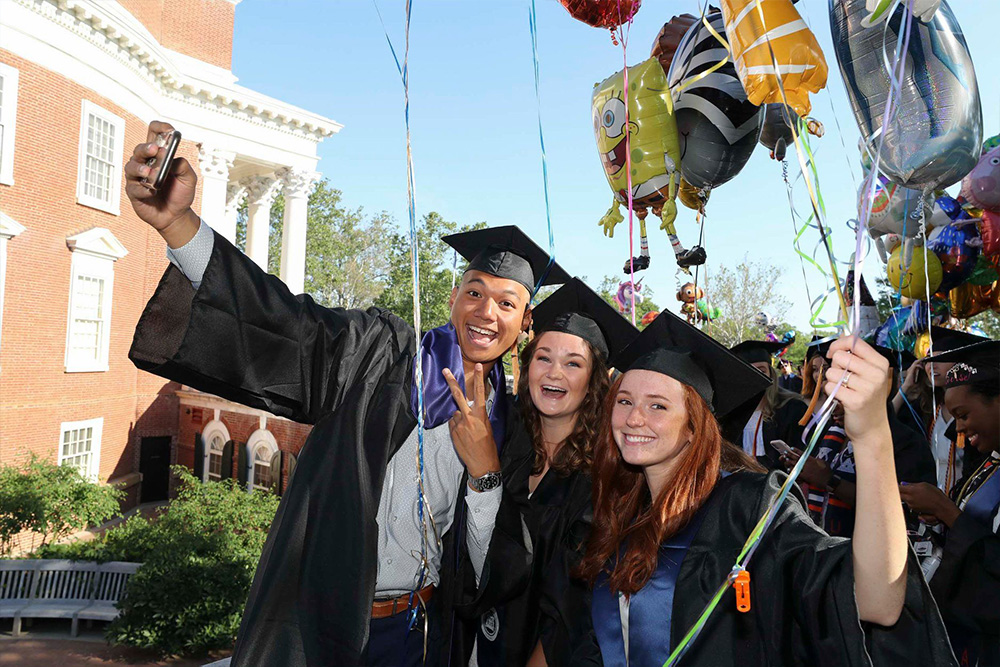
[[833, 483], [487, 482]]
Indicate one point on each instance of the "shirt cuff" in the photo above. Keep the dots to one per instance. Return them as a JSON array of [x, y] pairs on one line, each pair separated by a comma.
[[483, 507], [192, 257]]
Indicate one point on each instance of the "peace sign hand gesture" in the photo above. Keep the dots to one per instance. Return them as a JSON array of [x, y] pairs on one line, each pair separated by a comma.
[[471, 432]]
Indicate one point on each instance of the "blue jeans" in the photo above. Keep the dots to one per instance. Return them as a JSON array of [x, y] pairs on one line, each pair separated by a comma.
[[391, 642]]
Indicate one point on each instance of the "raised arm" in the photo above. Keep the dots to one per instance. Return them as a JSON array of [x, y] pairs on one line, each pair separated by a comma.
[[879, 542]]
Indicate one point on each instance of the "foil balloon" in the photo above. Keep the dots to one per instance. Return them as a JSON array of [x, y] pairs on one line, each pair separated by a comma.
[[692, 197], [669, 39], [989, 231], [984, 273], [718, 126], [878, 10], [933, 138], [648, 318], [910, 282], [957, 247], [651, 134], [922, 346], [981, 187], [801, 65], [776, 132], [895, 211], [969, 300], [602, 13]]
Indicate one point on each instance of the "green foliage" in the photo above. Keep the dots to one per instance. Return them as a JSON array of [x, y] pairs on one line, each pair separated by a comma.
[[437, 269], [199, 557], [741, 292], [609, 288], [50, 500], [989, 321]]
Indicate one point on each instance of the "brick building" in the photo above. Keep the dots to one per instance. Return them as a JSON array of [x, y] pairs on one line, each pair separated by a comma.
[[79, 82]]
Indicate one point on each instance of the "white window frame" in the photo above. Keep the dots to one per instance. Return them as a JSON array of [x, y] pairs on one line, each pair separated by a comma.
[[112, 206], [8, 120], [9, 228], [95, 252], [259, 439], [95, 444], [212, 429]]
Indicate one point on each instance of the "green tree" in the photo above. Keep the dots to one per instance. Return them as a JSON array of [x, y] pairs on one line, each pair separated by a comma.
[[347, 253], [643, 303], [989, 322], [439, 271], [741, 292], [51, 501]]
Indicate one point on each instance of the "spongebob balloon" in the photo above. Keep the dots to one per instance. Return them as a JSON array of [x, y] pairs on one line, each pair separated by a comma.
[[648, 144]]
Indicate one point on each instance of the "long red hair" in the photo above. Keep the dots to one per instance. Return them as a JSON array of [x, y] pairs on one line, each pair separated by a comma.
[[625, 514]]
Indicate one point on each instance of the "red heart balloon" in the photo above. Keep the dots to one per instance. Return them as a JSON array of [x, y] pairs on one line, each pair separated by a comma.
[[602, 13], [989, 230]]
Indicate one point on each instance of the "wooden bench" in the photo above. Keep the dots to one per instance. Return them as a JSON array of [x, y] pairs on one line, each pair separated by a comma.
[[62, 589]]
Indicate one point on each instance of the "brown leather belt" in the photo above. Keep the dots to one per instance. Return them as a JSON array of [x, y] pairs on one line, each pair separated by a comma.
[[387, 608]]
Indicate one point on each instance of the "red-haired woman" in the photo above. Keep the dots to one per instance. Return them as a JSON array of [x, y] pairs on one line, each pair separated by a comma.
[[563, 385], [669, 522]]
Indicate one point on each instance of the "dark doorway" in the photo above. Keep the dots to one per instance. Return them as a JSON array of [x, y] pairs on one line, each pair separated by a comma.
[[154, 464]]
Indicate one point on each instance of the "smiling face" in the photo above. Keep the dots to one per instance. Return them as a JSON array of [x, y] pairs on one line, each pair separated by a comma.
[[559, 373], [650, 422], [816, 364], [488, 313], [976, 415]]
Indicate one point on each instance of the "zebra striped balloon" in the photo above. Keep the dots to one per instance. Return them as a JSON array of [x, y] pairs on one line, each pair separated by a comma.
[[718, 127]]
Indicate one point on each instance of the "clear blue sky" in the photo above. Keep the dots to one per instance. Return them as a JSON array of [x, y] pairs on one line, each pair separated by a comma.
[[474, 127]]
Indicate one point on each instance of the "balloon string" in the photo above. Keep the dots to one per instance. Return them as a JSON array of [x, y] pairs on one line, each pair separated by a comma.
[[422, 514], [533, 27], [623, 38]]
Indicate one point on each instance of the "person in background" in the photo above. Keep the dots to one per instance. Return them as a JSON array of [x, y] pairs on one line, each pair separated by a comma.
[[830, 475], [967, 581], [778, 414], [670, 518], [788, 378]]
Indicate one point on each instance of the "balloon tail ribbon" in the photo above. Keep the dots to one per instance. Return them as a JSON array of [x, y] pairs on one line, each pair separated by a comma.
[[623, 34], [533, 27]]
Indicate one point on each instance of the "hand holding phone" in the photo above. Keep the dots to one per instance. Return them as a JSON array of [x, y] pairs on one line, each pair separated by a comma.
[[782, 447], [161, 163]]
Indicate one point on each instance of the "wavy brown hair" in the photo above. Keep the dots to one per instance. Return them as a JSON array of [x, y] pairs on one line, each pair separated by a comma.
[[624, 512], [577, 450]]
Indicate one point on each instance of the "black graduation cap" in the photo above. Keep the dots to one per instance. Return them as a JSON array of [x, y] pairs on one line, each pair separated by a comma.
[[752, 351], [946, 339], [673, 347], [896, 358], [507, 252], [576, 309], [819, 345], [973, 363]]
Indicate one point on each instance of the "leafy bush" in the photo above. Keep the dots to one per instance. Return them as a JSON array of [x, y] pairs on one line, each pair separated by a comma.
[[50, 500], [199, 558]]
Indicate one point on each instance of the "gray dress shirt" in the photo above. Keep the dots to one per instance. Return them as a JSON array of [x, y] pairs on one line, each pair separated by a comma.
[[399, 529]]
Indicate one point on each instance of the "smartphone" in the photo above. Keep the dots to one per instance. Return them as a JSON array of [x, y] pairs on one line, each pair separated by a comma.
[[163, 161], [782, 447]]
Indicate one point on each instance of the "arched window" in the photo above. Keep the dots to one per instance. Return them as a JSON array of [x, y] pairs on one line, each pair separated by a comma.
[[215, 435], [261, 446]]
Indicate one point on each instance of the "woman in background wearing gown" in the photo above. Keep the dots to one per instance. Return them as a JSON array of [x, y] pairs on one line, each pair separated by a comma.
[[669, 522], [563, 384], [967, 582]]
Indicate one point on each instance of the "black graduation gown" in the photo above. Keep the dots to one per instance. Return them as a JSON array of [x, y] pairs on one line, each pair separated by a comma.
[[967, 582], [243, 336], [558, 519], [803, 609], [783, 425]]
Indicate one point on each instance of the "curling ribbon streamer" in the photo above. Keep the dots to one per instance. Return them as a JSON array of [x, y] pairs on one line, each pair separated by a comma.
[[533, 27]]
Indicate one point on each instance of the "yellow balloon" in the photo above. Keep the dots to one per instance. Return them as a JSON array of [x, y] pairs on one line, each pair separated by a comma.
[[922, 345], [911, 282], [652, 131], [801, 63]]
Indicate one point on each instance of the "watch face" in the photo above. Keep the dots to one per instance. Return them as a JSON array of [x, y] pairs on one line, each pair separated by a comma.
[[487, 482]]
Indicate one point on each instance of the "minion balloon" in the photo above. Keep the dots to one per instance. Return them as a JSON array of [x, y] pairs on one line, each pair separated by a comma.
[[651, 134]]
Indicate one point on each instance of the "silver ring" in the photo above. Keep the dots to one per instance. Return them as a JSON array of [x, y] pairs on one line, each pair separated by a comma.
[[847, 379]]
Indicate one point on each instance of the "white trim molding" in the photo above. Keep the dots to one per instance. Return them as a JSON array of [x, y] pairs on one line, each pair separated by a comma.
[[96, 425], [95, 252], [8, 123], [115, 155], [212, 429], [263, 441]]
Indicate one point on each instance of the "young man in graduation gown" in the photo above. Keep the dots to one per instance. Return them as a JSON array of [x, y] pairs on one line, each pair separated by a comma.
[[347, 554]]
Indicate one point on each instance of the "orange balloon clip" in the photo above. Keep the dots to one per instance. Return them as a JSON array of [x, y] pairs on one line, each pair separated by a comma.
[[742, 586]]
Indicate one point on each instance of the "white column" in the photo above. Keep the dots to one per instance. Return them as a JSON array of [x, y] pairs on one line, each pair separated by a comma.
[[234, 197], [297, 186], [215, 164], [261, 191]]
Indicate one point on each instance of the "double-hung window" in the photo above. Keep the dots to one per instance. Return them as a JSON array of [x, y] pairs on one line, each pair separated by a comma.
[[100, 169], [80, 446], [92, 275]]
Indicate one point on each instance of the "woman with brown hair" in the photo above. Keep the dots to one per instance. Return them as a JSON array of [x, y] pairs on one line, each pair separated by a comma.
[[669, 522], [563, 384]]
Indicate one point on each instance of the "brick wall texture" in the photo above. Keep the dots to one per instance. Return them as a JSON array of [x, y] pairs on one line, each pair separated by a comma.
[[202, 29]]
